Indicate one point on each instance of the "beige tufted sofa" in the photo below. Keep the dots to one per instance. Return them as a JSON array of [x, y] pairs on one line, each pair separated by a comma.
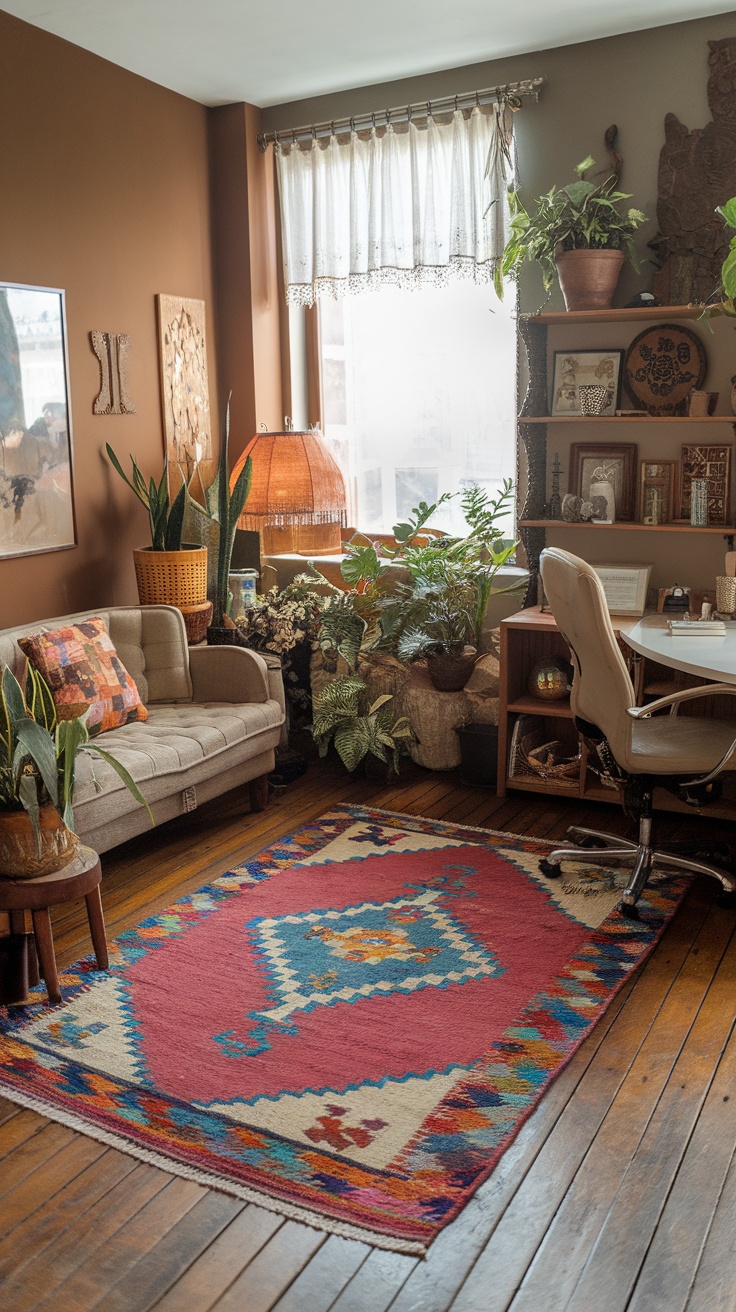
[[214, 719]]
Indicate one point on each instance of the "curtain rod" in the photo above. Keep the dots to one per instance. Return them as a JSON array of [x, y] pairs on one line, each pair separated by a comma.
[[510, 92]]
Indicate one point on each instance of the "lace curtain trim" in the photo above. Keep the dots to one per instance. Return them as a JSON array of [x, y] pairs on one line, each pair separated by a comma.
[[410, 209]]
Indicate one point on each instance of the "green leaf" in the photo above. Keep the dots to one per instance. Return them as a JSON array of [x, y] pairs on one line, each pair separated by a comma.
[[70, 736], [36, 743], [172, 536], [124, 775], [584, 165], [728, 274], [728, 212], [28, 794]]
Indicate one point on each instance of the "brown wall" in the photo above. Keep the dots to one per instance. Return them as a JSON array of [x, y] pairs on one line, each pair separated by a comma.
[[105, 194], [633, 81]]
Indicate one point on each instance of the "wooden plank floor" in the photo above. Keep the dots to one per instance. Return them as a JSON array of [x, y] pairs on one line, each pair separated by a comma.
[[618, 1193]]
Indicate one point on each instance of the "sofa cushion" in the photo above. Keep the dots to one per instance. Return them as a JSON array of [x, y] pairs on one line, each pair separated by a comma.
[[85, 673], [179, 746]]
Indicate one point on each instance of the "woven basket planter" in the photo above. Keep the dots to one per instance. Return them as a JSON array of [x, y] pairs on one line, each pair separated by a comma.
[[171, 578], [19, 854], [196, 620]]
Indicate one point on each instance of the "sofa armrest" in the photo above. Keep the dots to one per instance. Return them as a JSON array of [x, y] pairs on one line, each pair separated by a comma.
[[228, 674]]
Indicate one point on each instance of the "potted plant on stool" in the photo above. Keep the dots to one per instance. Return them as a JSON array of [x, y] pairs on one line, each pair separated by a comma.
[[38, 755], [577, 234]]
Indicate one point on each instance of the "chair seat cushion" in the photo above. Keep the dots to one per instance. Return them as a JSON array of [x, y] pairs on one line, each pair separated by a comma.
[[174, 750], [679, 745]]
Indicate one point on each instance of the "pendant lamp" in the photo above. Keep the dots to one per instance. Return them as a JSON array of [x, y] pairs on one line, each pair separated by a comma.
[[297, 498]]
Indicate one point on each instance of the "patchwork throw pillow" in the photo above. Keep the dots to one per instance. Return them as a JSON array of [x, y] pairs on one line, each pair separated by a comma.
[[84, 671]]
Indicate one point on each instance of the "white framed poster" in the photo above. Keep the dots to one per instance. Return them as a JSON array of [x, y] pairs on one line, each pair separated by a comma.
[[36, 501], [625, 587]]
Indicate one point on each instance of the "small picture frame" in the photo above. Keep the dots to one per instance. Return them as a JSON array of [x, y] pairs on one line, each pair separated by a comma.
[[711, 461], [590, 461], [657, 482], [625, 587], [573, 368]]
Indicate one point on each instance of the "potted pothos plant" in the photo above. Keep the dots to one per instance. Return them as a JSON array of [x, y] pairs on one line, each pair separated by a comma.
[[38, 758], [169, 572], [579, 234]]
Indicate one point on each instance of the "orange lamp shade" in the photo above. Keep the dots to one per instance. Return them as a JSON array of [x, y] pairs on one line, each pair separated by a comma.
[[296, 481]]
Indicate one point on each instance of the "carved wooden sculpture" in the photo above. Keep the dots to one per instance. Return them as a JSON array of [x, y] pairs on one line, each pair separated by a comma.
[[111, 350], [697, 172]]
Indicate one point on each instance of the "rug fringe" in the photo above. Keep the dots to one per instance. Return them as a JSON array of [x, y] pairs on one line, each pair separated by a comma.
[[292, 1211], [441, 824]]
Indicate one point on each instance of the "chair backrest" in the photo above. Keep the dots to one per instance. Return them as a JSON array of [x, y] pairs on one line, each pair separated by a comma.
[[602, 690]]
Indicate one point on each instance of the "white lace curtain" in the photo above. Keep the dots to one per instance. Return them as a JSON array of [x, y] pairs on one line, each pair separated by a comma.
[[410, 206]]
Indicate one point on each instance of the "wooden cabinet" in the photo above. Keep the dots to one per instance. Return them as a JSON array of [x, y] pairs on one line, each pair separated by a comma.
[[534, 420], [530, 636], [526, 638]]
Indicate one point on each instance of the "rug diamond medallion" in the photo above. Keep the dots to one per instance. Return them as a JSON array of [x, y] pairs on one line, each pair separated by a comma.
[[349, 1028]]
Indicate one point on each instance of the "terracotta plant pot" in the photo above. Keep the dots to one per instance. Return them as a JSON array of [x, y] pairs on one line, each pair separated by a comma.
[[588, 278], [19, 858], [451, 673]]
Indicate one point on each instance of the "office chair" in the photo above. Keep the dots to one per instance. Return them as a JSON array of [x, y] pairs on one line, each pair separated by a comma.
[[629, 745]]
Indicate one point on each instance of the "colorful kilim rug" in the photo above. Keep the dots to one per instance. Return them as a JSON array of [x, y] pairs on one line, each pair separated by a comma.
[[348, 1029]]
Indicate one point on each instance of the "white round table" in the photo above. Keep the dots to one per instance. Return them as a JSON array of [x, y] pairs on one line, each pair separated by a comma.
[[711, 657]]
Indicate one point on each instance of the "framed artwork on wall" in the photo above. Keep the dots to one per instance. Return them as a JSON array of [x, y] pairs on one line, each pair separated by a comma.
[[657, 484], [711, 461], [184, 386], [36, 498], [573, 369], [594, 465]]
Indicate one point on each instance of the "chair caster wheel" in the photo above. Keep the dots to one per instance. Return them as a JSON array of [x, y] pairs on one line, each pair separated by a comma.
[[631, 913], [549, 869], [726, 899]]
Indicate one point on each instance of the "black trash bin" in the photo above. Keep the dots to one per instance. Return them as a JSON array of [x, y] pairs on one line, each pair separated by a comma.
[[479, 753]]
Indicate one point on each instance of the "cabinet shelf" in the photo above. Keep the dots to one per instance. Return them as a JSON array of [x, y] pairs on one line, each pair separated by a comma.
[[627, 419], [725, 530], [536, 706], [644, 314]]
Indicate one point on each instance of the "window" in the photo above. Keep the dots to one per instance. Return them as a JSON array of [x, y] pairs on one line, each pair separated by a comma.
[[419, 396]]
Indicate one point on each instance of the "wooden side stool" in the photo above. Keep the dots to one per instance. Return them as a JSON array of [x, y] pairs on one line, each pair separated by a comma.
[[81, 878]]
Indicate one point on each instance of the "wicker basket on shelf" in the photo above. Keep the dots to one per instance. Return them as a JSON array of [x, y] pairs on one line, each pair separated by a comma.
[[533, 753]]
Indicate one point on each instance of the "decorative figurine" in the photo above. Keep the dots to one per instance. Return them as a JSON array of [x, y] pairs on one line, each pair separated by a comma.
[[571, 508], [555, 501], [550, 679]]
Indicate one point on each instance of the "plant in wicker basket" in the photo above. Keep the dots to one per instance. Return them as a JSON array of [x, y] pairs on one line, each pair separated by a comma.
[[169, 572], [38, 756]]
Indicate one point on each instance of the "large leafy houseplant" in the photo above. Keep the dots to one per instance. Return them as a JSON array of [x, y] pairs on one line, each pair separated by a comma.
[[583, 216], [359, 728], [727, 304], [38, 758]]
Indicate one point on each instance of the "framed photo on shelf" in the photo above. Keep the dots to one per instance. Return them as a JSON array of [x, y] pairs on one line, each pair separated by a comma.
[[711, 461], [625, 587], [605, 466], [36, 501], [657, 483], [573, 368]]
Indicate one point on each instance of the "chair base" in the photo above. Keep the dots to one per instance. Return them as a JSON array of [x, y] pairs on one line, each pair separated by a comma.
[[641, 856]]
